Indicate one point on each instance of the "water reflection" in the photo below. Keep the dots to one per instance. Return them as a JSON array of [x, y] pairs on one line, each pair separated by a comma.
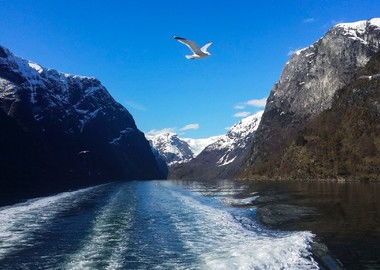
[[347, 215]]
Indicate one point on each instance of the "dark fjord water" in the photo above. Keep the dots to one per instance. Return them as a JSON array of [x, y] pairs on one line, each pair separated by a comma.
[[148, 225]]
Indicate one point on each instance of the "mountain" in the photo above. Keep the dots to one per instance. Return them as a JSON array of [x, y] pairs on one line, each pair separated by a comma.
[[63, 131], [197, 145], [171, 147], [223, 157], [175, 150], [310, 88]]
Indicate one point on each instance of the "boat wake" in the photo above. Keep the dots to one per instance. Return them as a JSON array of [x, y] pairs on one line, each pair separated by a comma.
[[141, 225]]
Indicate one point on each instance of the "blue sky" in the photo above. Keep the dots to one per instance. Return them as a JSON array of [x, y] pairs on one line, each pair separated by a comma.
[[128, 46]]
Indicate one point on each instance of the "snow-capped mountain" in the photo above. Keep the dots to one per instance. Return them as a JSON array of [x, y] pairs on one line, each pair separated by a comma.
[[174, 149], [307, 87], [197, 145], [223, 155], [236, 139], [170, 146], [80, 134]]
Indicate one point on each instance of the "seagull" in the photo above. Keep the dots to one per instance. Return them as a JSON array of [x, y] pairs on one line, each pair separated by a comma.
[[197, 52]]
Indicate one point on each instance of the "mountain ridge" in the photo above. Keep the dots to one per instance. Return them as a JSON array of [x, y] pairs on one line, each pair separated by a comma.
[[307, 87], [82, 136], [223, 157], [175, 149]]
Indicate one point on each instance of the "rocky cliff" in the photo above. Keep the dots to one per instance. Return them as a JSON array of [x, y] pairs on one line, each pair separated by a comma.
[[62, 131], [310, 84]]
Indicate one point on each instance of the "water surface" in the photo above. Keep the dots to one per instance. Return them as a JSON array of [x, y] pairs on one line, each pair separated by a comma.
[[148, 225]]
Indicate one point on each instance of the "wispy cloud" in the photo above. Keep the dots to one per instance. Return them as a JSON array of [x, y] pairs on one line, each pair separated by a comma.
[[190, 126], [154, 132], [259, 103], [309, 20], [180, 131], [242, 114], [134, 105], [239, 107]]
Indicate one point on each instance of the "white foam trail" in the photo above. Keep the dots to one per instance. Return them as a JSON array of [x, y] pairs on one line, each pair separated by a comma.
[[18, 222], [108, 240], [223, 243], [241, 202]]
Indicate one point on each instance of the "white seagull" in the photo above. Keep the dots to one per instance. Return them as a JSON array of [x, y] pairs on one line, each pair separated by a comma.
[[197, 52]]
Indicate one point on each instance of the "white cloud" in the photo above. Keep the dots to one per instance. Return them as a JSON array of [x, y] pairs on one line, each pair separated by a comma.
[[189, 126], [134, 105], [239, 107], [174, 130], [259, 103], [242, 114], [309, 20], [154, 132]]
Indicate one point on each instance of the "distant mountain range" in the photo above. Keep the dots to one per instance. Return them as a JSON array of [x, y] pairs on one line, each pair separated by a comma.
[[214, 156], [222, 157], [176, 150], [62, 131]]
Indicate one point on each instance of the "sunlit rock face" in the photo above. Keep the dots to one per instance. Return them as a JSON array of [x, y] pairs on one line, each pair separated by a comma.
[[313, 74], [81, 135], [308, 84]]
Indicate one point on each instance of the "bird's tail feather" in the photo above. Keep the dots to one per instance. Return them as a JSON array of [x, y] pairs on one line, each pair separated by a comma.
[[189, 56]]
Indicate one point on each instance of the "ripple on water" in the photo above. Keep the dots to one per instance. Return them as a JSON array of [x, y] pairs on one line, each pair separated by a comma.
[[155, 225]]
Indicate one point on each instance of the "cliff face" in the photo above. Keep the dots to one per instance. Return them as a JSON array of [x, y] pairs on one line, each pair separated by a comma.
[[308, 91], [222, 158], [64, 131]]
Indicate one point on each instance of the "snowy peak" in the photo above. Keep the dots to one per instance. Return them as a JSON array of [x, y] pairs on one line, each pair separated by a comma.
[[171, 148], [359, 26], [75, 101], [236, 138], [245, 126], [224, 156], [358, 30], [355, 31], [312, 75], [197, 145], [177, 150], [30, 69]]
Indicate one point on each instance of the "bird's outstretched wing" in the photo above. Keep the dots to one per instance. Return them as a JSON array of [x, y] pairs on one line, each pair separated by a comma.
[[205, 47], [189, 43]]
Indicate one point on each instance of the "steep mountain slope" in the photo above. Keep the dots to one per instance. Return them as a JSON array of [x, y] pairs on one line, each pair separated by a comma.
[[72, 131], [307, 87], [223, 157], [341, 142], [171, 147], [174, 149]]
